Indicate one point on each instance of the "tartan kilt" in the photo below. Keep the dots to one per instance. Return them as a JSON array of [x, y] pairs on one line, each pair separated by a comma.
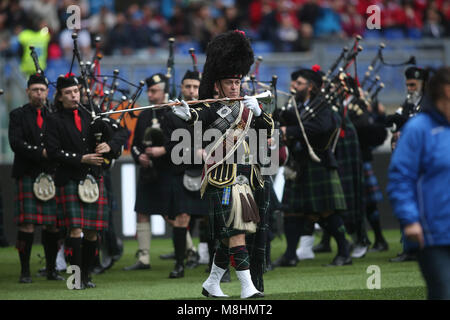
[[219, 213], [153, 197], [30, 210], [316, 189], [350, 169], [185, 201], [74, 213], [372, 188]]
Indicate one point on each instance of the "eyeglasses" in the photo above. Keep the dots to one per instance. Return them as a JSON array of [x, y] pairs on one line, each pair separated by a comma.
[[153, 91]]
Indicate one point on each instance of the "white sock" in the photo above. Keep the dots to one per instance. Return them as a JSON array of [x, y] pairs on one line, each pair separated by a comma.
[[305, 250], [144, 237]]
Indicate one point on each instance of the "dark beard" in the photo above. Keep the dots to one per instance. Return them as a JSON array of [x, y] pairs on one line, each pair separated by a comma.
[[300, 96]]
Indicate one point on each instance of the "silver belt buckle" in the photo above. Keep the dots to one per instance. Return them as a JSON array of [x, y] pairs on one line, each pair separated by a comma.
[[240, 179], [224, 111]]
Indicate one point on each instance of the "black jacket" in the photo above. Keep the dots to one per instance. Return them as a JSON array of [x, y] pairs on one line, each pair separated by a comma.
[[319, 131], [183, 147], [144, 122], [66, 145], [27, 141]]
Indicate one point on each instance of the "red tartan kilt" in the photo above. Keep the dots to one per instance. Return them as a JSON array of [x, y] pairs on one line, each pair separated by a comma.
[[74, 213], [30, 210]]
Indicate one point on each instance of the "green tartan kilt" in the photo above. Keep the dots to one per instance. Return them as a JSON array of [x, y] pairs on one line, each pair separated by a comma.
[[30, 210], [219, 213], [315, 190], [351, 174], [74, 213]]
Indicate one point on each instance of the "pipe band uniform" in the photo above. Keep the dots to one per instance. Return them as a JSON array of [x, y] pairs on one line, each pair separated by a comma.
[[33, 171], [235, 190], [82, 197]]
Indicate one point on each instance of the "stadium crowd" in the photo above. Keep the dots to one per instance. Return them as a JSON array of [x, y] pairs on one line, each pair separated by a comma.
[[140, 27]]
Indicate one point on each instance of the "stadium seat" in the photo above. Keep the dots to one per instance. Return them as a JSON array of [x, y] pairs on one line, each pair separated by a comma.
[[262, 47], [394, 34], [414, 33], [183, 47], [373, 34]]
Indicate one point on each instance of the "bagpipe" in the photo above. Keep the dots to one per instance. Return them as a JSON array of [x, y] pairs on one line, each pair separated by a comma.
[[97, 97], [47, 105], [264, 97]]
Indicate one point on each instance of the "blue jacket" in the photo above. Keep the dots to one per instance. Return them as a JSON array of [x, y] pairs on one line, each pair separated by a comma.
[[419, 176]]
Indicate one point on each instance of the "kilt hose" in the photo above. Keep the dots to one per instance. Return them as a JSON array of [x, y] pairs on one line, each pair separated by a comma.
[[30, 210], [257, 242], [350, 169], [315, 190], [372, 188], [74, 213], [185, 201]]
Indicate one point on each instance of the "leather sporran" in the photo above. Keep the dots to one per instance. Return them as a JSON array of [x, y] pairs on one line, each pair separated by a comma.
[[192, 179], [290, 173], [44, 187], [88, 190]]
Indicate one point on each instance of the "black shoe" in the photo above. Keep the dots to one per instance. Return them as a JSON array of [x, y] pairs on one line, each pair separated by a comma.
[[283, 262], [167, 256], [54, 276], [402, 257], [42, 272], [138, 266], [25, 279], [177, 272], [226, 276], [379, 246], [321, 248], [257, 295], [89, 284], [192, 259], [340, 261], [98, 270]]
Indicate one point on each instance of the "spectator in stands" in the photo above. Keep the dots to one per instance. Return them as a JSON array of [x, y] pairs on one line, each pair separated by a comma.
[[231, 16], [46, 9], [352, 22], [118, 39], [156, 24], [96, 6], [66, 42], [309, 12], [328, 23], [202, 25], [179, 24], [39, 37], [267, 28], [104, 16], [138, 32], [288, 25], [433, 27], [16, 15]]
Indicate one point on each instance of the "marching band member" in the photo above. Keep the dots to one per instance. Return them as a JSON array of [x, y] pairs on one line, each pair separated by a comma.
[[81, 196], [32, 169], [234, 187]]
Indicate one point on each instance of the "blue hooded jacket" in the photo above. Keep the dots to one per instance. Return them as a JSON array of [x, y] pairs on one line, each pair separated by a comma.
[[419, 175]]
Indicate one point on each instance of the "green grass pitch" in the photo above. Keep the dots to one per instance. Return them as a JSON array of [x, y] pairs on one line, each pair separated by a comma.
[[308, 280]]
